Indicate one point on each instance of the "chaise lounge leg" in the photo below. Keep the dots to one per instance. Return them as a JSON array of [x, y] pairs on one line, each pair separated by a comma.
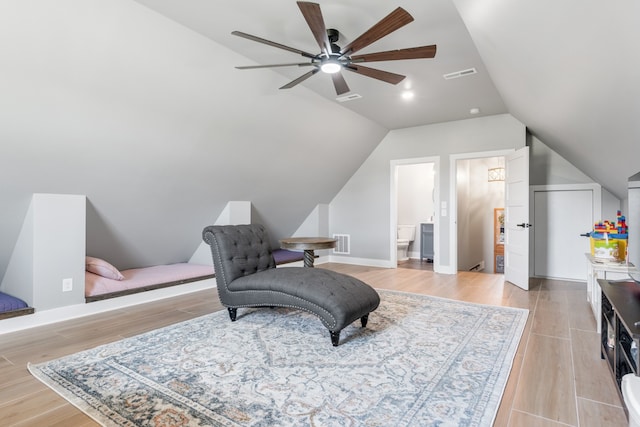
[[335, 338], [232, 313], [364, 319]]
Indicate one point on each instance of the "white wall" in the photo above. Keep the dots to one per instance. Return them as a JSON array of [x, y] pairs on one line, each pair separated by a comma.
[[152, 122], [551, 168], [610, 206], [51, 248], [362, 207], [316, 224], [236, 212]]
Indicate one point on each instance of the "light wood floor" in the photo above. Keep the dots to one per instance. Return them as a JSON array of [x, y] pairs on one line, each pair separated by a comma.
[[558, 378]]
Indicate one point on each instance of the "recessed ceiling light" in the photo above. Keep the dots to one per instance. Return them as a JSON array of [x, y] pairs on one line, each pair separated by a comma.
[[407, 94], [474, 111]]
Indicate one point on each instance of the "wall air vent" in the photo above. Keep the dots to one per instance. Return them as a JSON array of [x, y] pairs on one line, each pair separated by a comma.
[[342, 244], [462, 73], [348, 97]]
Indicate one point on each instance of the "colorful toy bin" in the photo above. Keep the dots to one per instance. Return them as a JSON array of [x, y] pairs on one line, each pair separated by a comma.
[[607, 249], [609, 240]]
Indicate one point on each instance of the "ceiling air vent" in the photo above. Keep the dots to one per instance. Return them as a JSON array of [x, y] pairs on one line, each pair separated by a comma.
[[348, 97], [461, 73]]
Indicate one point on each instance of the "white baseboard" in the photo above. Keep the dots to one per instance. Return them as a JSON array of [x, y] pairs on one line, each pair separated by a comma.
[[444, 269], [46, 317], [361, 261]]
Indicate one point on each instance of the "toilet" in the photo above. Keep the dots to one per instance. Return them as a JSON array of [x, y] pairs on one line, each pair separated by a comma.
[[406, 235], [631, 393]]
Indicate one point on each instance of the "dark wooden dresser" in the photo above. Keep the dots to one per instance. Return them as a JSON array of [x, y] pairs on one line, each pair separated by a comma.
[[620, 328]]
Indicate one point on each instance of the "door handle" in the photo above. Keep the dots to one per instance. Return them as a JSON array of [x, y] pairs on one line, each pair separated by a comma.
[[523, 225]]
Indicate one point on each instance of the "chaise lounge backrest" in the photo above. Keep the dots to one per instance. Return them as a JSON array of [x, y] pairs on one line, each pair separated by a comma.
[[240, 250]]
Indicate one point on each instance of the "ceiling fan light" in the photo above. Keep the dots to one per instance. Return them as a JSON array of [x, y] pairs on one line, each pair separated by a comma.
[[330, 67]]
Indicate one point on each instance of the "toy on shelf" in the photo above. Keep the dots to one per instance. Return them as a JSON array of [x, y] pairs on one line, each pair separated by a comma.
[[609, 239]]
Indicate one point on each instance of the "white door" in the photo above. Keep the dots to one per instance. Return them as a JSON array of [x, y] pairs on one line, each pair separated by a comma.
[[561, 216], [516, 213]]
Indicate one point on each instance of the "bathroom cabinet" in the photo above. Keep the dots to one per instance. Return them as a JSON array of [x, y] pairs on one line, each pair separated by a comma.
[[426, 242]]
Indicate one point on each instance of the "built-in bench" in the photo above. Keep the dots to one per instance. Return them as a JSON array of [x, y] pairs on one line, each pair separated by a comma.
[[11, 306], [98, 287], [105, 281]]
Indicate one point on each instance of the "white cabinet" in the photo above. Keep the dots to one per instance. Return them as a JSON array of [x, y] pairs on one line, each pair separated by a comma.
[[597, 269]]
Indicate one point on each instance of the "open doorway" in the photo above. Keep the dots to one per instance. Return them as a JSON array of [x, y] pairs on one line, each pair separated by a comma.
[[478, 201], [413, 212]]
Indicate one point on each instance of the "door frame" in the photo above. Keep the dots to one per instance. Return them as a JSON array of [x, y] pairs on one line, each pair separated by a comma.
[[596, 207], [453, 200], [393, 210]]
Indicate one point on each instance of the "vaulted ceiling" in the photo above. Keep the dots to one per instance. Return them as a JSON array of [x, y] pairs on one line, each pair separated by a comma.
[[566, 70], [138, 106], [435, 22]]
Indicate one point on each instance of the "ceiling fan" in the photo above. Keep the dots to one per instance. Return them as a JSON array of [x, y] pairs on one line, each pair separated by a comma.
[[332, 59]]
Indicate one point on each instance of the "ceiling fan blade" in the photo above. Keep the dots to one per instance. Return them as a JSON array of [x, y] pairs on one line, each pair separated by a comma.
[[250, 67], [385, 76], [313, 15], [393, 55], [300, 79], [396, 19], [274, 44], [339, 83]]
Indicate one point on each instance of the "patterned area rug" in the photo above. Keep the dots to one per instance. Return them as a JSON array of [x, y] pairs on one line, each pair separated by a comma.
[[421, 361]]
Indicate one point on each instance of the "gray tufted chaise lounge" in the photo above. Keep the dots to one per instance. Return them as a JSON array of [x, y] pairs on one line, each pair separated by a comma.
[[247, 276]]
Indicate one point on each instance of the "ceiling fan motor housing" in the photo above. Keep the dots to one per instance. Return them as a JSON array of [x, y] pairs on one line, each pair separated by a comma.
[[333, 36]]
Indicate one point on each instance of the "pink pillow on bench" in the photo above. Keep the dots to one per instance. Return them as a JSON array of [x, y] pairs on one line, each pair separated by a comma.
[[102, 268]]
